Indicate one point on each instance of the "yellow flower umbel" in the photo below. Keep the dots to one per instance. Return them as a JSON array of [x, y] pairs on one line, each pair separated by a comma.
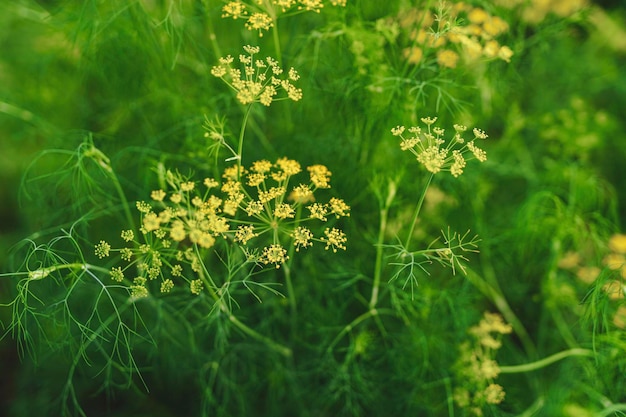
[[454, 30], [262, 210], [259, 80], [434, 153], [476, 369], [261, 15]]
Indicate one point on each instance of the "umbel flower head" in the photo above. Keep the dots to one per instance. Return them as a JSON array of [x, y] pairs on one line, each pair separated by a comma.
[[434, 152], [259, 80], [261, 15], [476, 368], [265, 210], [454, 31]]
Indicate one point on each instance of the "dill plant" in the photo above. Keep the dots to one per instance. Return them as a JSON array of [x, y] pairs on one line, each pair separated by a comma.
[[202, 272]]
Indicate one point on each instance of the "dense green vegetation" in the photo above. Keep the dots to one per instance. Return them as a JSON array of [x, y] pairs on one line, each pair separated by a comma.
[[312, 208]]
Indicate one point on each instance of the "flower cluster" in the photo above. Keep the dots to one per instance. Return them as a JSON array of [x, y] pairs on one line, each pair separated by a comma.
[[535, 11], [477, 369], [454, 31], [258, 209], [259, 81], [261, 14], [615, 287], [432, 151]]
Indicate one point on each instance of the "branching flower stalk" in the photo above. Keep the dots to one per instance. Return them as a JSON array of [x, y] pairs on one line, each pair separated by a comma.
[[383, 216], [259, 82]]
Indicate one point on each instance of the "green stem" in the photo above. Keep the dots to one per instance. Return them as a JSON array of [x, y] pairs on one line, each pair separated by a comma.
[[384, 212], [209, 284], [503, 306], [612, 410], [42, 273], [348, 327], [378, 266], [283, 350], [542, 363], [212, 36], [276, 38], [291, 296], [241, 136], [418, 208]]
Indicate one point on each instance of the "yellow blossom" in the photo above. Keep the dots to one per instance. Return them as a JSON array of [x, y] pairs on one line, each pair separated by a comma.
[[196, 286], [447, 58], [617, 243], [302, 237], [274, 254], [334, 239], [320, 176], [102, 249], [234, 9], [259, 21]]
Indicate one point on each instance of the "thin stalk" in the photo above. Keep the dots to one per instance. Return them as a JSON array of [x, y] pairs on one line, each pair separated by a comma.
[[209, 284], [276, 38], [378, 266], [502, 305], [418, 208], [283, 350], [360, 319], [384, 213], [291, 296], [241, 136], [212, 36], [542, 363]]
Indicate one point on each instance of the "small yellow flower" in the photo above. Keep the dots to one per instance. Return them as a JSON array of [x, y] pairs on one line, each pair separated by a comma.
[[614, 260], [126, 254], [151, 222], [447, 58], [177, 270], [311, 5], [234, 9], [143, 207], [254, 207], [320, 176], [505, 53], [413, 54], [102, 249], [289, 166], [477, 16], [397, 131], [617, 243], [479, 154], [274, 254], [127, 235], [244, 233], [259, 21], [302, 238], [318, 211], [210, 183], [167, 285], [338, 207], [187, 186], [117, 274], [334, 239], [196, 286], [177, 233], [261, 166], [284, 211], [302, 194], [494, 394]]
